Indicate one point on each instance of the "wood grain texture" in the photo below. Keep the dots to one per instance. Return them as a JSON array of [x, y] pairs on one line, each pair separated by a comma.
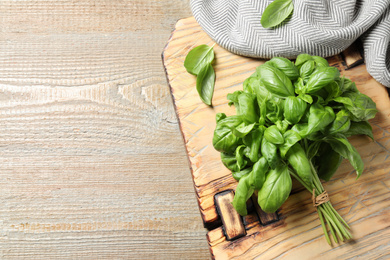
[[231, 220], [364, 203], [92, 164]]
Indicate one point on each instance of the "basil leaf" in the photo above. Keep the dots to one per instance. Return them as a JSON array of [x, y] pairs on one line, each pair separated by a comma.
[[290, 138], [298, 160], [333, 91], [313, 149], [233, 97], [320, 62], [299, 86], [294, 109], [306, 98], [286, 66], [301, 59], [273, 135], [242, 130], [242, 194], [253, 140], [230, 162], [319, 117], [275, 81], [321, 77], [362, 107], [250, 84], [276, 13], [220, 116], [239, 174], [241, 162], [270, 153], [248, 107], [342, 146], [275, 190], [198, 58], [341, 124], [224, 140], [258, 174], [307, 69], [205, 84], [344, 100], [346, 85], [328, 162], [360, 128]]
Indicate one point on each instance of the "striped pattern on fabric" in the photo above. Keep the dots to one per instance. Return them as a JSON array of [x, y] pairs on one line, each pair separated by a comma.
[[317, 27]]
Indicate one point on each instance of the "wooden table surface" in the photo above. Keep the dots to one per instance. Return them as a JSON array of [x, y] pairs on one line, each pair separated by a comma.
[[92, 163]]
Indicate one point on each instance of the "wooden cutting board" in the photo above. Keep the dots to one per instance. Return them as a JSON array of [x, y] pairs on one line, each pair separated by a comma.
[[295, 232]]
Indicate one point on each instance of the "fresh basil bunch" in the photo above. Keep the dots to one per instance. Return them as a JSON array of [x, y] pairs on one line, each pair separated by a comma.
[[292, 120]]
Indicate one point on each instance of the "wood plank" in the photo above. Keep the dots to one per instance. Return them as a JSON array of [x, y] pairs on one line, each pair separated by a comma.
[[265, 218], [231, 220], [352, 56], [298, 229], [92, 164]]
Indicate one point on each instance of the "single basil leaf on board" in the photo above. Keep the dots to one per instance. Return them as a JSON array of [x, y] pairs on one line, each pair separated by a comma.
[[239, 174], [321, 77], [290, 138], [286, 66], [273, 135], [362, 108], [198, 58], [328, 161], [275, 190], [270, 153], [360, 128], [258, 174], [342, 146], [205, 84], [294, 108], [341, 124], [275, 81], [242, 194], [276, 13]]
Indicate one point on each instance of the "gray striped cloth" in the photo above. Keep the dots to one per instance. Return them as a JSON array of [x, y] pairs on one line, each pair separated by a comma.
[[317, 27]]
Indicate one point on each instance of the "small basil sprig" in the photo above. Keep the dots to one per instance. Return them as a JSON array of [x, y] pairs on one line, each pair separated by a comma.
[[198, 62], [276, 13]]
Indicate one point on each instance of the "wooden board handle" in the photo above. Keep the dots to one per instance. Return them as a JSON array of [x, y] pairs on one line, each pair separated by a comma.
[[231, 220], [265, 218]]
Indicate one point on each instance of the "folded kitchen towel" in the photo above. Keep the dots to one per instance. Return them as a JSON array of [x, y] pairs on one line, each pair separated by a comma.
[[317, 27]]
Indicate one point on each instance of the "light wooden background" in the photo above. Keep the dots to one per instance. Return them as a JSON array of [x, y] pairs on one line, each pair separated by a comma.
[[92, 163]]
